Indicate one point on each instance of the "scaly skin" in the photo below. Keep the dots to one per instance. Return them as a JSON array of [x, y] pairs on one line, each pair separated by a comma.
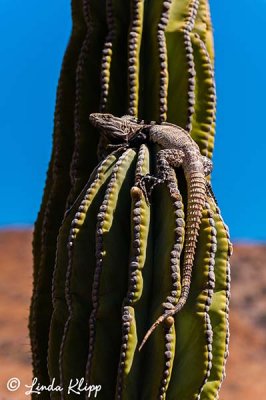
[[179, 149]]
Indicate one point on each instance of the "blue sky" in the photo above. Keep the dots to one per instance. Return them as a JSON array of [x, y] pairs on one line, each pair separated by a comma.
[[33, 40]]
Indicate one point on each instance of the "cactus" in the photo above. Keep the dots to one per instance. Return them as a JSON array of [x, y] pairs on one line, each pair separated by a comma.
[[106, 263]]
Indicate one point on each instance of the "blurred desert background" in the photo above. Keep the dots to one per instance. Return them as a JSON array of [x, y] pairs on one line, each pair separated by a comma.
[[246, 367]]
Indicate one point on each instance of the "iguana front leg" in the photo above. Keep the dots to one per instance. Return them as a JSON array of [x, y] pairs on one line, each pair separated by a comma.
[[166, 161]]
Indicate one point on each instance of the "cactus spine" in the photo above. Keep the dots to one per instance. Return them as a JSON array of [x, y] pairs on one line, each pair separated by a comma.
[[106, 264]]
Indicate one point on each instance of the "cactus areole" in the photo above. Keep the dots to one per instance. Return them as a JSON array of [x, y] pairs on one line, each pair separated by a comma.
[[131, 279]]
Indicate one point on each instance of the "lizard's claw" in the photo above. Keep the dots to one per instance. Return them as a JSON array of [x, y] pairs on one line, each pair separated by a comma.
[[112, 147], [147, 183]]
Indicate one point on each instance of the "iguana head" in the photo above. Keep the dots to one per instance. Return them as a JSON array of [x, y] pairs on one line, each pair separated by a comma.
[[124, 128]]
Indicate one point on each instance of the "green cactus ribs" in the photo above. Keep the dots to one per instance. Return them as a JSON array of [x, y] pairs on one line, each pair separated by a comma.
[[111, 253], [93, 309], [53, 203]]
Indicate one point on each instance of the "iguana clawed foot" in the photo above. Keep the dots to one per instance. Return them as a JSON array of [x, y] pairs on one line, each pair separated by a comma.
[[147, 183], [112, 147]]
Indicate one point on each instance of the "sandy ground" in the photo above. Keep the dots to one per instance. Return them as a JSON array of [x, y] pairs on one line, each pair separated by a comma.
[[246, 376]]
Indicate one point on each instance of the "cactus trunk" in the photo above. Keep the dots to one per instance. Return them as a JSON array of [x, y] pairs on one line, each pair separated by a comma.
[[106, 263]]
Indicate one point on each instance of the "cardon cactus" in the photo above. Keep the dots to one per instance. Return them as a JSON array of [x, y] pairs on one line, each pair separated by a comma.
[[108, 261]]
